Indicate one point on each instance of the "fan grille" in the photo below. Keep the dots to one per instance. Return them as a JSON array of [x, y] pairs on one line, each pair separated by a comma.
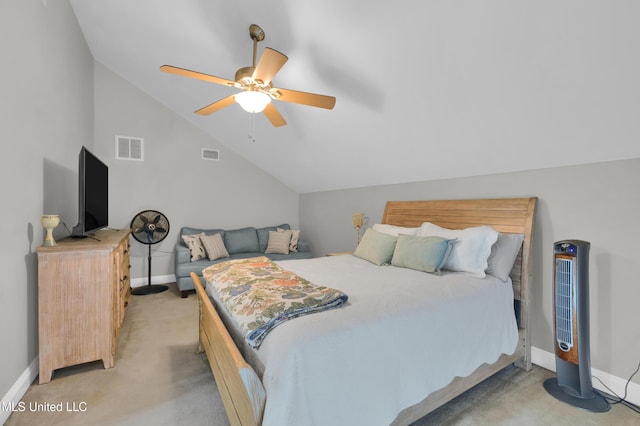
[[150, 227], [564, 303]]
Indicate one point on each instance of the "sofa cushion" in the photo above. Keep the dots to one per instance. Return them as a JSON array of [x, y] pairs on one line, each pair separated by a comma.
[[263, 235], [185, 230], [241, 240]]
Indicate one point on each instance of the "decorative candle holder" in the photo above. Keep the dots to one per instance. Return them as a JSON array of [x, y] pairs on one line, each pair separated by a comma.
[[49, 222]]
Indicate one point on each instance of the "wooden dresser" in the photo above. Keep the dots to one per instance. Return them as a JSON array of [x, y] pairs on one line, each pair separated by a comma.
[[83, 289]]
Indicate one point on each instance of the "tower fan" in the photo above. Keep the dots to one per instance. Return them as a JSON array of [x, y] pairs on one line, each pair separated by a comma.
[[149, 227], [571, 310]]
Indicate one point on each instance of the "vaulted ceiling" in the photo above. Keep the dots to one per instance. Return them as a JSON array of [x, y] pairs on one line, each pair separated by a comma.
[[425, 90]]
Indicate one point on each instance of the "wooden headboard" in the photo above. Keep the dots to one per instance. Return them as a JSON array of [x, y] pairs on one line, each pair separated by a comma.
[[507, 215]]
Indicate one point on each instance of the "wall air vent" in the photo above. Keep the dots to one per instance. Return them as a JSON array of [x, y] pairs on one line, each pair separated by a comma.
[[129, 148], [210, 154]]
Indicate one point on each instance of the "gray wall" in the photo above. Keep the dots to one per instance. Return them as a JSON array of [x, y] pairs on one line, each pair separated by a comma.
[[598, 203], [51, 88], [230, 193], [46, 115]]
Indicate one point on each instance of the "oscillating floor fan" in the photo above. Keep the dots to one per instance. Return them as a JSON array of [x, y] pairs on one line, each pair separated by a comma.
[[149, 227]]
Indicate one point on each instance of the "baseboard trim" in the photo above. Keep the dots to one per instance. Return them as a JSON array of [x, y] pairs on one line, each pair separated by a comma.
[[17, 391], [157, 279], [548, 360]]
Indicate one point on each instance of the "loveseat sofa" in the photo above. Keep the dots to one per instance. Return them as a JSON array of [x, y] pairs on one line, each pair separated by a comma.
[[239, 244]]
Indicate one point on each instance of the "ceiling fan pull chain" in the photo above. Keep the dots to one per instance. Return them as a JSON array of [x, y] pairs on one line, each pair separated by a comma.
[[252, 127]]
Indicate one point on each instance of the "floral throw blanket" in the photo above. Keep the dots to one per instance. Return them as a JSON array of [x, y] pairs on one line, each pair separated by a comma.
[[260, 295]]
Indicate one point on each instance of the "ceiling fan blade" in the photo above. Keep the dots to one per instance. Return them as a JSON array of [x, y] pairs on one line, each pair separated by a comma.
[[274, 115], [270, 63], [194, 74], [218, 105], [311, 99]]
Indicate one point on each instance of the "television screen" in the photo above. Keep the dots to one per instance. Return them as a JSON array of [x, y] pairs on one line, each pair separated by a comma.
[[93, 200]]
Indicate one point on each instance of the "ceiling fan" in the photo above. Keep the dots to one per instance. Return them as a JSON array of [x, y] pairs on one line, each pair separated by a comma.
[[255, 82]]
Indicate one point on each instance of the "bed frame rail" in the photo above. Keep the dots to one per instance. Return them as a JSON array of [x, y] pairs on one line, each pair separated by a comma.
[[240, 387]]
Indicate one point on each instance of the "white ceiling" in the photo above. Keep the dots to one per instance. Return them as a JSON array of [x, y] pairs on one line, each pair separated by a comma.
[[425, 90]]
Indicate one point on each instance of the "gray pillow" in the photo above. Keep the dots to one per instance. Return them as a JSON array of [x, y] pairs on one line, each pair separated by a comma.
[[426, 254], [503, 254], [243, 240], [376, 247]]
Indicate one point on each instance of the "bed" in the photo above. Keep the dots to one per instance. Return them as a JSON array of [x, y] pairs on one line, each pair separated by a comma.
[[253, 385]]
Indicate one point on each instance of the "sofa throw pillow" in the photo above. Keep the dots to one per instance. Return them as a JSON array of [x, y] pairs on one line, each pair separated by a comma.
[[263, 235], [214, 246], [426, 254], [295, 236], [503, 255], [376, 247], [195, 246], [470, 252], [278, 242]]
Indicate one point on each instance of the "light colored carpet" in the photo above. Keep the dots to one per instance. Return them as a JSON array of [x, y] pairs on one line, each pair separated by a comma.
[[159, 380]]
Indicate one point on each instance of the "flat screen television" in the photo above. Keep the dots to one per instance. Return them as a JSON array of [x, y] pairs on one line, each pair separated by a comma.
[[93, 198]]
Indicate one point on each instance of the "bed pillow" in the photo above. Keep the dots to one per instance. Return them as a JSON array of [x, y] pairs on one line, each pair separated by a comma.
[[394, 230], [426, 254], [470, 252], [214, 246], [278, 242], [503, 254], [195, 246], [376, 247]]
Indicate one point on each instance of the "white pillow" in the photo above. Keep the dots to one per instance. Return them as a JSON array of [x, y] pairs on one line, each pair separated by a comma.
[[470, 253], [394, 230], [196, 249]]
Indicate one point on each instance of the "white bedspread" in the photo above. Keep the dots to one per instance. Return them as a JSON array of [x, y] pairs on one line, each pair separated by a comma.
[[402, 335]]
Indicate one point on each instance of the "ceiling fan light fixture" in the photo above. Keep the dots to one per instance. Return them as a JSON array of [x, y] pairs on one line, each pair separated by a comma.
[[252, 101]]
